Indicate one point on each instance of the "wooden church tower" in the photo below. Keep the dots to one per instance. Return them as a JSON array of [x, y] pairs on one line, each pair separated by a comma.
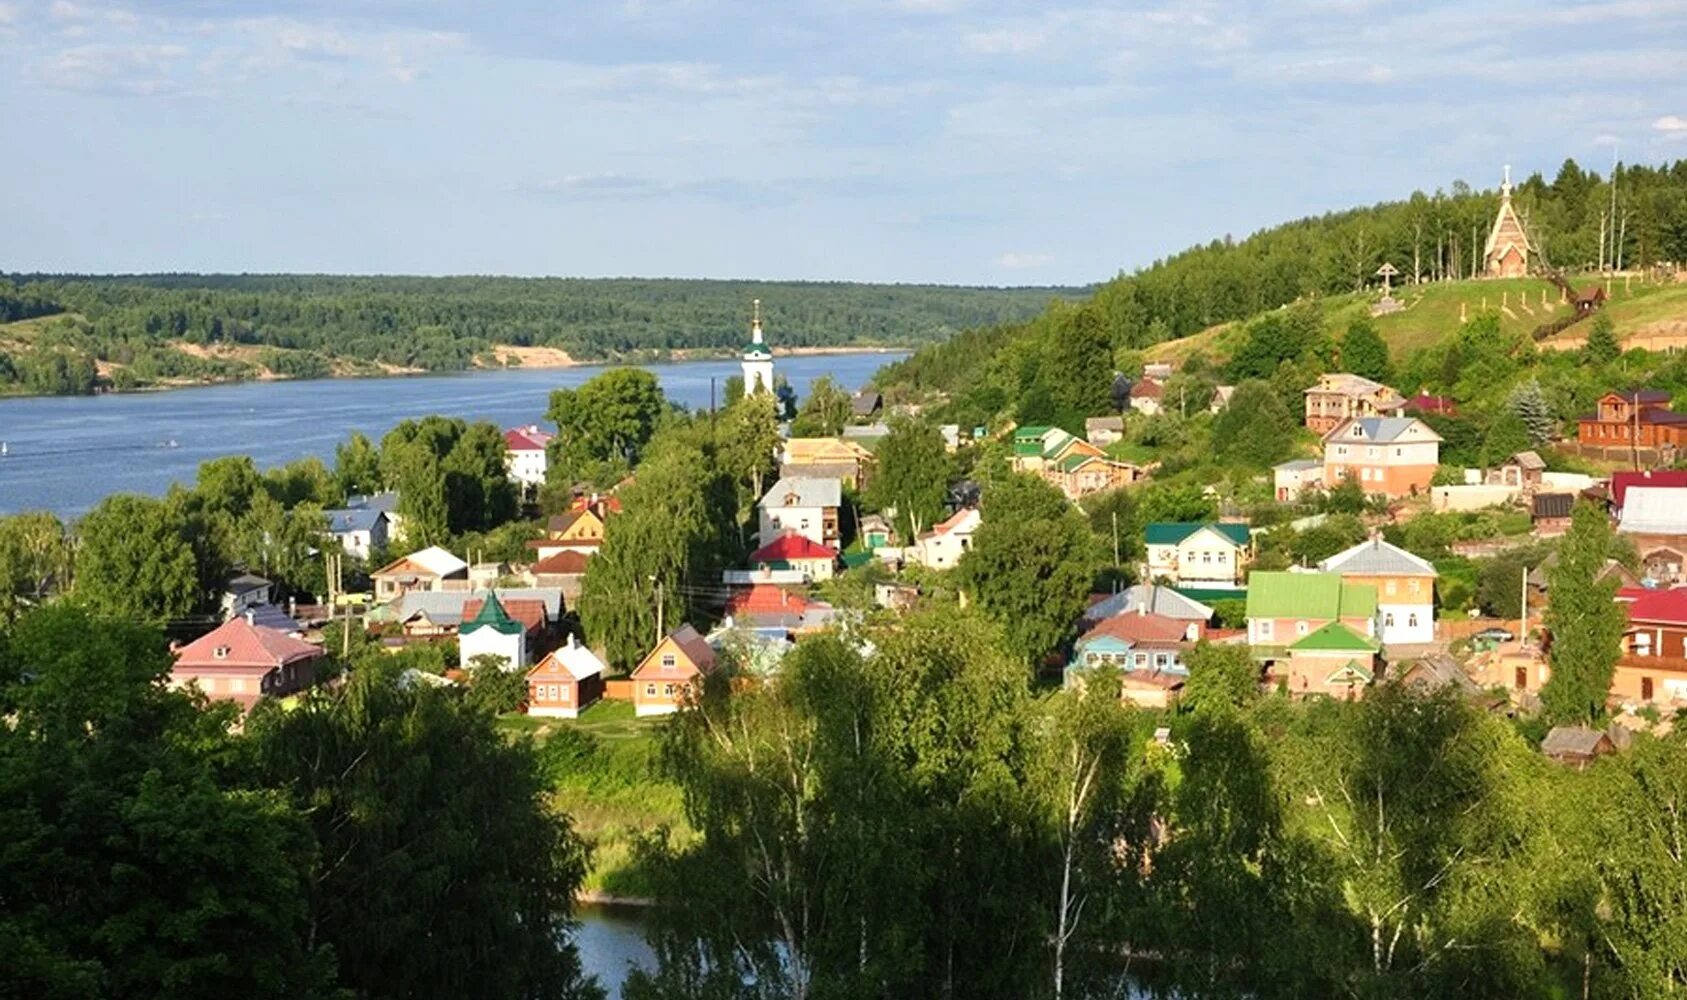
[[1508, 249]]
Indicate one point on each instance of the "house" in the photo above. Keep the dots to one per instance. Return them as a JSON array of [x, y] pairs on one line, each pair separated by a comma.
[[865, 404], [803, 505], [567, 681], [1423, 403], [1334, 661], [1437, 671], [1147, 396], [1292, 478], [241, 662], [664, 679], [828, 458], [525, 455], [1404, 583], [1103, 431], [1285, 607], [1653, 667], [565, 570], [1391, 456], [752, 651], [1146, 649], [772, 608], [491, 631], [1072, 465], [1518, 665], [1539, 576], [1521, 471], [1550, 513], [579, 529], [1340, 397], [1159, 371], [1193, 554], [1622, 481], [431, 568], [1155, 600], [874, 531], [943, 546], [1655, 519], [429, 615], [1221, 398], [1589, 299], [1576, 746], [794, 552], [365, 524], [1641, 418], [243, 592]]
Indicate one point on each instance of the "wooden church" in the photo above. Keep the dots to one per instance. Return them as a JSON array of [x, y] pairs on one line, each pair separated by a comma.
[[1508, 247]]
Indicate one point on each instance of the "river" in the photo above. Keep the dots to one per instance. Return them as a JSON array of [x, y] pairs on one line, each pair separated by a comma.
[[64, 453], [611, 942]]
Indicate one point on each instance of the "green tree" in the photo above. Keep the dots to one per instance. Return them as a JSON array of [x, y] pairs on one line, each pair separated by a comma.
[[1364, 353], [1531, 407], [136, 863], [748, 440], [912, 477], [1507, 436], [133, 560], [1584, 619], [1256, 430], [1601, 347], [496, 686], [35, 557], [357, 466], [603, 426], [825, 412], [432, 827], [1220, 677], [1031, 565]]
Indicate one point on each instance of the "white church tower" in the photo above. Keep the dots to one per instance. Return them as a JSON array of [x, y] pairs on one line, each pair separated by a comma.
[[758, 359]]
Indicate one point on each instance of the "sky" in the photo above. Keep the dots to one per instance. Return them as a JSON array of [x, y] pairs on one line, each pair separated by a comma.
[[956, 141]]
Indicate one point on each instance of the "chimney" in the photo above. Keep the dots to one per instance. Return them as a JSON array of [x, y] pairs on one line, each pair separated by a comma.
[[251, 617], [1147, 598], [572, 644]]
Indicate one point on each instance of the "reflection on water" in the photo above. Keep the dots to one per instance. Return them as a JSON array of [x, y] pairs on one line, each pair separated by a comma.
[[611, 943]]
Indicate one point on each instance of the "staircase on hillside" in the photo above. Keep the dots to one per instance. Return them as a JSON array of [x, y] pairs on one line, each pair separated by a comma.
[[1562, 323]]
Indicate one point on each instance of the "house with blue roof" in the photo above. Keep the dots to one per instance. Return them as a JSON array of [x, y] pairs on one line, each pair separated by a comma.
[[1391, 456], [365, 523]]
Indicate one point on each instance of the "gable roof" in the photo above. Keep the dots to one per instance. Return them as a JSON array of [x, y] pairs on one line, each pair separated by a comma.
[[1375, 557], [962, 521], [1140, 628], [529, 438], [1662, 607], [244, 644], [1622, 481], [1162, 601], [1552, 504], [1529, 460], [1174, 532], [432, 560], [803, 491], [568, 562], [446, 607], [689, 642], [864, 403], [1380, 430], [812, 450], [1347, 384], [1275, 594], [1574, 741], [1425, 403], [1104, 423], [577, 661], [1334, 638], [244, 583], [791, 546], [1147, 389], [1654, 510], [349, 519]]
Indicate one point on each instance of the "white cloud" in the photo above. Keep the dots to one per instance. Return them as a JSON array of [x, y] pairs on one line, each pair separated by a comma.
[[126, 69], [1671, 124], [1023, 261]]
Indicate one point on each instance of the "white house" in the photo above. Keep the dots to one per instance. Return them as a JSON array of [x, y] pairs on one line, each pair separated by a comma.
[[492, 632], [1192, 554], [944, 545], [365, 523], [1405, 588], [804, 506], [526, 456]]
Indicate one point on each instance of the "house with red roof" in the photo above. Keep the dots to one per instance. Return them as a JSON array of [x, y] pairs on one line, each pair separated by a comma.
[[525, 454], [1622, 481], [798, 553], [1653, 666], [242, 662], [665, 679], [1146, 649], [772, 608], [1424, 403]]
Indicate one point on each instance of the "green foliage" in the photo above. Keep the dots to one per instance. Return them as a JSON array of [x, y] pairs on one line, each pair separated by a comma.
[[748, 438], [1532, 409], [1363, 352], [603, 426], [1032, 562], [912, 476], [35, 556], [1256, 431], [1584, 619], [451, 478], [1220, 678], [1507, 436], [495, 685], [1601, 347], [134, 560], [357, 466], [825, 412]]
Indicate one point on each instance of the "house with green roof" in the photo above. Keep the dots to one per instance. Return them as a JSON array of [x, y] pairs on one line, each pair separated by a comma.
[[1333, 661], [1071, 464], [491, 631], [1205, 555], [1286, 607]]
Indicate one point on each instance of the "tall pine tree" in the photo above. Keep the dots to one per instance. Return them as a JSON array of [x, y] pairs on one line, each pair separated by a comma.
[[1584, 620]]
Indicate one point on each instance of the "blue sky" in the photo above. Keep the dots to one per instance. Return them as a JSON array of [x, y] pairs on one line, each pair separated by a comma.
[[966, 141]]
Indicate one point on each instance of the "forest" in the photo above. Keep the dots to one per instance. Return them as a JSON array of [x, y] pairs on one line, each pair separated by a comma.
[[310, 325]]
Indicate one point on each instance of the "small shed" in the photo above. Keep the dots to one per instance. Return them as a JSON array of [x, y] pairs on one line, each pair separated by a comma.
[[1589, 299], [1576, 746]]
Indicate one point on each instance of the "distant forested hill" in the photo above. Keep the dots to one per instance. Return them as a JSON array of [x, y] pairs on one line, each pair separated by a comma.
[[305, 324], [1046, 365]]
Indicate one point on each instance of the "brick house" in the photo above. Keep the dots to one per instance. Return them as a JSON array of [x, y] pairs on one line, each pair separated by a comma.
[[1640, 418], [1653, 666], [242, 662], [1334, 661], [1393, 456], [1339, 397]]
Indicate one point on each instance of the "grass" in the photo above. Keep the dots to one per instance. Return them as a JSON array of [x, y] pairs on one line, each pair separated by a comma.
[[605, 779]]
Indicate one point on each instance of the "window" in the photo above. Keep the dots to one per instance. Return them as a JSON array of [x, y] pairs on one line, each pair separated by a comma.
[[1161, 659], [1090, 659], [1265, 628], [1412, 620], [667, 690], [1521, 678], [668, 661], [650, 690], [1142, 659], [1390, 587], [1388, 621], [1300, 628], [1207, 557], [1645, 689]]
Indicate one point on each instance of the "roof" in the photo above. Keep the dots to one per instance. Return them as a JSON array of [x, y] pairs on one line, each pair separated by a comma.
[[557, 524], [863, 403], [765, 597], [433, 560], [1621, 481], [529, 438], [568, 562], [806, 451], [244, 644], [1348, 384], [1376, 557], [1573, 741], [1173, 533], [1140, 628], [965, 520], [1147, 389], [1381, 430], [1298, 465], [1440, 670], [245, 583], [1664, 607], [576, 660], [791, 547], [1274, 594], [1654, 510], [1552, 504], [489, 613], [1640, 396], [1104, 423], [271, 616], [1527, 460], [1162, 601], [804, 491], [694, 646], [1334, 638], [446, 607], [349, 519], [1425, 403]]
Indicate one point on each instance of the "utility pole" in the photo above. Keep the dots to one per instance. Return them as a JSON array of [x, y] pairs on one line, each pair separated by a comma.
[[1115, 538], [659, 608]]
